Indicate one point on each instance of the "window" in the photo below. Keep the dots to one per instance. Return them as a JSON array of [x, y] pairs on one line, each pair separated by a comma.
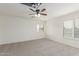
[[40, 27], [76, 29], [68, 29], [71, 29]]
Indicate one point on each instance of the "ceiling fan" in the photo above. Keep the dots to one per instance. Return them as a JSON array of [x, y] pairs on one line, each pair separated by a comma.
[[38, 12], [35, 9]]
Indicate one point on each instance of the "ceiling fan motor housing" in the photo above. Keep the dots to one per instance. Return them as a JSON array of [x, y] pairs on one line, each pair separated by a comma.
[[37, 11]]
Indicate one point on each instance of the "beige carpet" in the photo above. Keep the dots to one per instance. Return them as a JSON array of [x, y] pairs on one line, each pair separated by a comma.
[[41, 47]]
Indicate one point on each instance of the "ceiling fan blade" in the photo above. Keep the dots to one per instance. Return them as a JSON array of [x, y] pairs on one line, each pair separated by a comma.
[[38, 5], [43, 14], [32, 10], [43, 10]]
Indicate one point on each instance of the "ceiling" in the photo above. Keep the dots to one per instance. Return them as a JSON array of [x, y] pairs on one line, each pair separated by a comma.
[[53, 9]]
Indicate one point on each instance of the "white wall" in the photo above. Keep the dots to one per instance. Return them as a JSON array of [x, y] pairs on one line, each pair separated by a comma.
[[16, 29], [55, 29]]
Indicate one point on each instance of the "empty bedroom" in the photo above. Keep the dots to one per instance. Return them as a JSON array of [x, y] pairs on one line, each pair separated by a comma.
[[39, 29]]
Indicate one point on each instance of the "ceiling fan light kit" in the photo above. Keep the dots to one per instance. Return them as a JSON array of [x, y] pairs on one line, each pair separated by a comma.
[[37, 15]]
